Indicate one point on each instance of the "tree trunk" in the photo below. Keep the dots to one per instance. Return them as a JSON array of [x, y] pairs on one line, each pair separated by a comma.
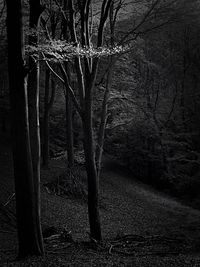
[[69, 129], [34, 126], [69, 120], [103, 121], [92, 177], [68, 101], [27, 223], [93, 185], [45, 150], [48, 103]]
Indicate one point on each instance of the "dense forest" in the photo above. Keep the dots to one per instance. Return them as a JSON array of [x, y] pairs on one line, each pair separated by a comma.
[[99, 133]]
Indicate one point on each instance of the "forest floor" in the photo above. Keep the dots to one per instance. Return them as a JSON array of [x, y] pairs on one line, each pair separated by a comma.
[[141, 227]]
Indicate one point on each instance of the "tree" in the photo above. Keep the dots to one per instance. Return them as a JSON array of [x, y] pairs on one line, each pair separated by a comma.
[[86, 82], [86, 68], [26, 188]]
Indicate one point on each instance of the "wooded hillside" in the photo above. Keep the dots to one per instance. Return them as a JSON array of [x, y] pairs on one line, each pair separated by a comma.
[[89, 84]]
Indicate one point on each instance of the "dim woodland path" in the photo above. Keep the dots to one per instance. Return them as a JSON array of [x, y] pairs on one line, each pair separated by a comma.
[[141, 227]]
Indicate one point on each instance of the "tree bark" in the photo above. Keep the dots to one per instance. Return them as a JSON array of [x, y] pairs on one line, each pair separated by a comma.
[[89, 151], [45, 150], [34, 126], [29, 242], [69, 129], [103, 121], [92, 177]]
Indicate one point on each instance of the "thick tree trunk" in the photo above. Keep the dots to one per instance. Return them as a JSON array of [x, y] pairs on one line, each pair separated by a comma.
[[93, 179], [93, 186], [27, 223]]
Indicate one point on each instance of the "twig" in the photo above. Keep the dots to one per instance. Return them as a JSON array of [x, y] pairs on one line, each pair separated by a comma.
[[9, 199]]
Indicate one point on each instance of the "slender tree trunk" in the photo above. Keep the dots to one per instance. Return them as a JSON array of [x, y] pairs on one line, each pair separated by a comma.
[[68, 101], [104, 114], [34, 126], [45, 150], [69, 129], [69, 121], [101, 133], [23, 172], [104, 109], [48, 103]]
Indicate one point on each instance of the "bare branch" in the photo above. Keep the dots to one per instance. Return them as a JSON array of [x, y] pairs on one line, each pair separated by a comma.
[[70, 89], [147, 14]]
